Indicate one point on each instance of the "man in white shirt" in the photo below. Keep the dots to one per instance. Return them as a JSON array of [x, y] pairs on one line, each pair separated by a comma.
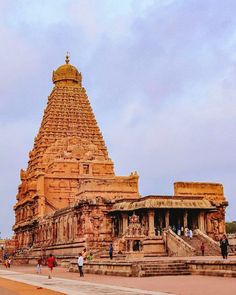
[[80, 264]]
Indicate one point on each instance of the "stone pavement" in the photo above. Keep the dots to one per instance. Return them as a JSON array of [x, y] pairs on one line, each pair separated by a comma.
[[72, 287], [179, 285]]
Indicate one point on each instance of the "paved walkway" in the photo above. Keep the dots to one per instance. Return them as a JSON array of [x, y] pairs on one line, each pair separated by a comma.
[[92, 284], [71, 287]]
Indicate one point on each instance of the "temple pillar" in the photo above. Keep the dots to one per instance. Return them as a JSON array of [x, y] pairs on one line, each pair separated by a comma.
[[185, 218], [161, 219], [61, 230], [151, 229], [167, 218], [124, 223], [131, 245], [201, 221]]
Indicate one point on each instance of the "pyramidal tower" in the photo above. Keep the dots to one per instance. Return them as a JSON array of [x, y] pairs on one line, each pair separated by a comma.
[[68, 166]]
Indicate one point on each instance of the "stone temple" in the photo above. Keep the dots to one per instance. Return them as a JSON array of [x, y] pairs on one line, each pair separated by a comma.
[[69, 197]]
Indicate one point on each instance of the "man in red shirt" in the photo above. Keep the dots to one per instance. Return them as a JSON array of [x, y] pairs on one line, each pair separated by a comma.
[[51, 263]]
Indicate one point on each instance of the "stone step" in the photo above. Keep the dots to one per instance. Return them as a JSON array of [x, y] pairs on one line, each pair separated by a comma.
[[164, 268], [107, 272], [166, 273], [156, 254], [163, 264], [218, 273]]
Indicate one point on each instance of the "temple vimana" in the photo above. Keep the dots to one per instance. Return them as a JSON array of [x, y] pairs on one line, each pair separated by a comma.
[[69, 197]]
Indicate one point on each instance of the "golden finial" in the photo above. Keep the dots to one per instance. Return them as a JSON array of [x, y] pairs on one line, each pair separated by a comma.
[[67, 57]]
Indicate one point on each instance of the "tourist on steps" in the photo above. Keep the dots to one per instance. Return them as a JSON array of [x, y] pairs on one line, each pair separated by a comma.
[[224, 246], [80, 264], [186, 232], [111, 251], [190, 234]]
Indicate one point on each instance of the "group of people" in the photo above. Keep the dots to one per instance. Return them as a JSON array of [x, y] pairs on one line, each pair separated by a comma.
[[84, 256], [181, 231], [7, 260], [50, 262]]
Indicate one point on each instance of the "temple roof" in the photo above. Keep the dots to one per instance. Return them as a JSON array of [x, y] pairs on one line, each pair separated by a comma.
[[66, 72], [163, 202]]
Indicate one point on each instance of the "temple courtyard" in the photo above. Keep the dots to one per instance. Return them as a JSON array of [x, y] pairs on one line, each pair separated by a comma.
[[65, 282]]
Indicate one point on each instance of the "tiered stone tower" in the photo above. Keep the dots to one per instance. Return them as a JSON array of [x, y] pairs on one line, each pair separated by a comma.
[[68, 166]]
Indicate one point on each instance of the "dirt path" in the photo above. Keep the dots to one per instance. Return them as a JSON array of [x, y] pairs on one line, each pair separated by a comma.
[[8, 287]]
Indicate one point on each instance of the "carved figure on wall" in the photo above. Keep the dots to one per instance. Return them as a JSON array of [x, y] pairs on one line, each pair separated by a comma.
[[215, 224]]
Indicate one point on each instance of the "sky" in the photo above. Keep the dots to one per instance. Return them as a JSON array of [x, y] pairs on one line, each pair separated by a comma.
[[160, 76]]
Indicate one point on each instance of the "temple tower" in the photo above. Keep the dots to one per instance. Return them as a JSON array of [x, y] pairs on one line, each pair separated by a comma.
[[69, 161]]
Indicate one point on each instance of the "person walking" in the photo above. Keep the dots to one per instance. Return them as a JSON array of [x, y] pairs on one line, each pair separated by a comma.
[[50, 262], [186, 232], [39, 265], [224, 246], [9, 262], [6, 263], [111, 251], [80, 264]]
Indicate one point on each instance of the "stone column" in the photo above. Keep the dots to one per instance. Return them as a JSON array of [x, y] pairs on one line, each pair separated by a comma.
[[120, 226], [161, 219], [185, 218], [201, 221], [124, 223], [151, 229], [131, 245], [167, 218]]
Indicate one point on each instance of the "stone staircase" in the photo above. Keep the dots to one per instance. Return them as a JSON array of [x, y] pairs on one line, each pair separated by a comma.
[[164, 268], [196, 242]]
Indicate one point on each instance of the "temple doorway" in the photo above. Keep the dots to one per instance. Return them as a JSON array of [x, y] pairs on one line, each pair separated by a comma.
[[159, 223], [176, 219], [192, 219]]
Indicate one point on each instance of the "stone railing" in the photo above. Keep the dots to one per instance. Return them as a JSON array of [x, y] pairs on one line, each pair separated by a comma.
[[175, 246], [215, 245], [205, 236]]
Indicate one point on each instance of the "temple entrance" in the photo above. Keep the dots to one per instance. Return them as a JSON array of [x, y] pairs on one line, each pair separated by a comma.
[[176, 219], [137, 245], [159, 223], [192, 219]]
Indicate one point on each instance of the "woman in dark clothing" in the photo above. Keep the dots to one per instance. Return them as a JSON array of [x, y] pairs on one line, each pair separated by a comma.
[[111, 251], [224, 246]]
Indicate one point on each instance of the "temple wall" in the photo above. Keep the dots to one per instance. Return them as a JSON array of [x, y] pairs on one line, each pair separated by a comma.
[[197, 188]]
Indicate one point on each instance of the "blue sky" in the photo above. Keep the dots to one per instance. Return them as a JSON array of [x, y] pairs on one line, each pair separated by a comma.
[[160, 76]]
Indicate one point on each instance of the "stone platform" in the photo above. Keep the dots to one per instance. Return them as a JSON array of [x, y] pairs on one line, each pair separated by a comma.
[[223, 268], [213, 266]]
